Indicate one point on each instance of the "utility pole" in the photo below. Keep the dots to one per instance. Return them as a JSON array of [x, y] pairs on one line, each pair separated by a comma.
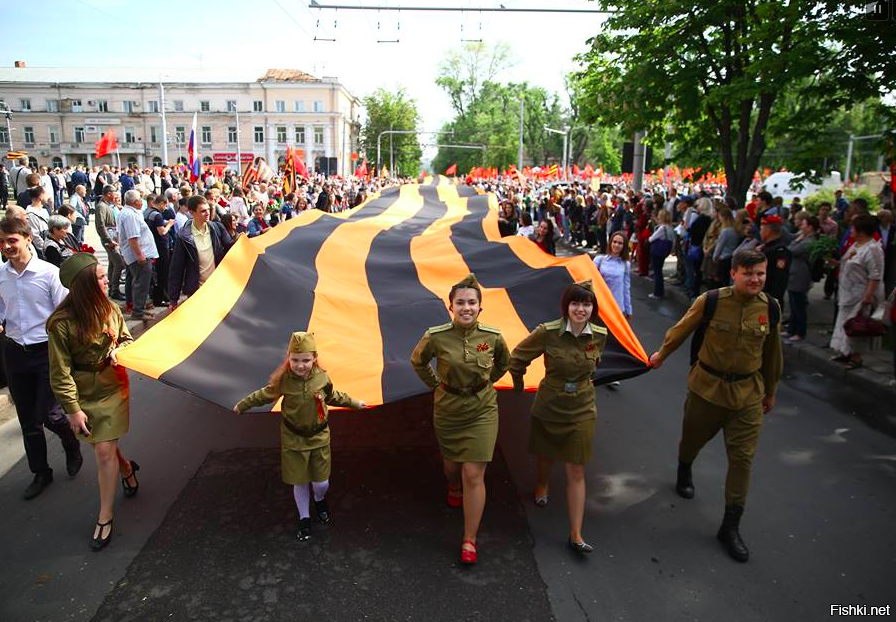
[[4, 109], [638, 162], [565, 133], [519, 154], [239, 153], [164, 123]]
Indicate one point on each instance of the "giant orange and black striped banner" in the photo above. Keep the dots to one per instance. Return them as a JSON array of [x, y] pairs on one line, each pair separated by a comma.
[[368, 282]]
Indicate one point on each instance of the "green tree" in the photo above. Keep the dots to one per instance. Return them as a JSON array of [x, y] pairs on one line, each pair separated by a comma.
[[392, 111], [709, 75]]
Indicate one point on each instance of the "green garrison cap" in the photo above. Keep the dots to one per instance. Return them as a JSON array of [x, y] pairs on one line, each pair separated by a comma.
[[586, 284], [470, 281], [72, 266], [302, 342]]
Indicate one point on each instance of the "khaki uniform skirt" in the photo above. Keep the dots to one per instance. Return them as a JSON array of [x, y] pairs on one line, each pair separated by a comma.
[[564, 441], [103, 397], [303, 466]]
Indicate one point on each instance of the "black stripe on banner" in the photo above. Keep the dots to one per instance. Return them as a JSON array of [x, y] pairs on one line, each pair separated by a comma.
[[250, 342], [406, 308], [535, 293]]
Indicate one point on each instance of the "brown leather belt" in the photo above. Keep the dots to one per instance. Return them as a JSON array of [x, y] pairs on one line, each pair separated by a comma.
[[724, 375], [97, 368], [567, 387], [308, 432], [466, 391]]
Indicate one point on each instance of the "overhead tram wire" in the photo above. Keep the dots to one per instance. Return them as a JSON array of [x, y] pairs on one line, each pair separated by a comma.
[[347, 7]]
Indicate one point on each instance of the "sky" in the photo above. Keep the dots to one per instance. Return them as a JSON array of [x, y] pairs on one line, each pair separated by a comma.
[[266, 34]]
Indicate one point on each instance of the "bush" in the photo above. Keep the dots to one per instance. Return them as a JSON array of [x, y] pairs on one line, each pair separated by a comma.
[[826, 195]]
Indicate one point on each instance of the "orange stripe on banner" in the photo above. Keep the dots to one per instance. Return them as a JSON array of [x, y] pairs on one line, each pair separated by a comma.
[[440, 265], [580, 267], [170, 342], [345, 316]]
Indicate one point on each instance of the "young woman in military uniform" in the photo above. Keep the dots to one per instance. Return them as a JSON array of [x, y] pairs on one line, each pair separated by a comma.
[[304, 428], [564, 411], [85, 333], [470, 357]]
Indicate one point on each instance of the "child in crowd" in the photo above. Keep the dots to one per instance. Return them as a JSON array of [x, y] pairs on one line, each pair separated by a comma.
[[304, 430]]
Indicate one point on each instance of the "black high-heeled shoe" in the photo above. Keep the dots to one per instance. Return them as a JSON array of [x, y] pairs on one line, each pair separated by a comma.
[[130, 491], [98, 543]]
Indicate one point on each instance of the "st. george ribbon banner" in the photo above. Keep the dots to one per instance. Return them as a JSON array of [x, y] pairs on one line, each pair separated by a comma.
[[368, 282]]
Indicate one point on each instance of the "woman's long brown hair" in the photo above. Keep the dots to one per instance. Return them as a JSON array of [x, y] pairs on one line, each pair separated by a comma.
[[86, 304]]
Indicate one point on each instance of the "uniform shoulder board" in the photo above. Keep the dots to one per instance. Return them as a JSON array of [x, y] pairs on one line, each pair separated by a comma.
[[763, 296], [552, 325], [725, 292], [441, 328], [490, 329], [598, 330]]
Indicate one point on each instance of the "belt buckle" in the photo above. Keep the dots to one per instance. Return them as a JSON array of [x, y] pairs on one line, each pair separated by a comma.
[[570, 387]]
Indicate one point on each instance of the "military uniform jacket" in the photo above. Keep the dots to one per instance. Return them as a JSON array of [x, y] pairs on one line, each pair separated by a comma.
[[778, 270], [304, 408], [566, 393], [740, 340], [465, 358], [84, 390]]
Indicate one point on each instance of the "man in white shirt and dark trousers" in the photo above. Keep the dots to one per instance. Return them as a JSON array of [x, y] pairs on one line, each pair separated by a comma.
[[29, 292], [138, 249]]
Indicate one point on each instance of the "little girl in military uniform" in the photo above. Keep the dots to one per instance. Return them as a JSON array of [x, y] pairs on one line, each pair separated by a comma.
[[304, 429]]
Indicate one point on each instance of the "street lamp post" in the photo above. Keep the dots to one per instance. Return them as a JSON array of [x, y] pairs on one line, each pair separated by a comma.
[[565, 133], [4, 109], [390, 132]]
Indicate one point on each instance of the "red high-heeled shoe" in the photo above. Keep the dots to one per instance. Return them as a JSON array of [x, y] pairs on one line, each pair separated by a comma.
[[467, 556], [455, 497]]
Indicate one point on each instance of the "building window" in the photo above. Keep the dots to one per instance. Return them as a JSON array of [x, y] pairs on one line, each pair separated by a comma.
[[153, 133], [76, 106], [206, 135], [132, 162], [318, 136], [29, 134], [56, 162], [102, 105], [81, 159], [259, 134], [32, 163], [178, 105], [130, 135], [207, 160], [231, 135], [281, 134], [4, 135], [231, 105], [204, 106], [258, 106], [79, 135], [280, 105], [300, 135], [154, 106], [318, 106], [25, 105], [54, 135], [157, 161], [180, 135], [299, 106], [127, 107], [52, 105]]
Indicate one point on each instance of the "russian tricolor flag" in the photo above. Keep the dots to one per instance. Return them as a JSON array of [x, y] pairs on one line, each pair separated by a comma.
[[195, 162]]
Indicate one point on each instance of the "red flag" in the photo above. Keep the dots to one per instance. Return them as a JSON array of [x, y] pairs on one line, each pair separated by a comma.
[[300, 168], [362, 170], [575, 169], [893, 177], [107, 144], [451, 170]]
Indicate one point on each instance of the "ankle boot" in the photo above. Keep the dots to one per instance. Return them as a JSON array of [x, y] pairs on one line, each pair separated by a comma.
[[685, 484], [729, 535]]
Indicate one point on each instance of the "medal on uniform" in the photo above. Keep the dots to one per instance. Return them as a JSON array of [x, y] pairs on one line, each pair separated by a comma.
[[482, 347], [321, 416]]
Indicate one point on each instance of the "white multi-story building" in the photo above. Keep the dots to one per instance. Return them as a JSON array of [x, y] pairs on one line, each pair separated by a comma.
[[58, 114]]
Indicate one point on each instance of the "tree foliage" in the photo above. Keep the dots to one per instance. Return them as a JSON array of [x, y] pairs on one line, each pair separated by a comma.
[[392, 111], [711, 76]]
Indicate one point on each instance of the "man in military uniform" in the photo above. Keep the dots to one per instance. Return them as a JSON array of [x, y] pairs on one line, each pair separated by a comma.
[[779, 257], [732, 382]]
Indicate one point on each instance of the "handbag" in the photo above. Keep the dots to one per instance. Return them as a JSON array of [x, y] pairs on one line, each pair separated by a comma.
[[695, 252], [862, 325], [661, 248]]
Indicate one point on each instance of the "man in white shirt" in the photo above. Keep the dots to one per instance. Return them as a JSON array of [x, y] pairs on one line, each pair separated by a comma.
[[38, 217], [138, 249], [17, 177], [29, 292]]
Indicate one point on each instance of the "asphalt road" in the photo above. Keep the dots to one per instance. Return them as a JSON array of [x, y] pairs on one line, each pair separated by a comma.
[[212, 519]]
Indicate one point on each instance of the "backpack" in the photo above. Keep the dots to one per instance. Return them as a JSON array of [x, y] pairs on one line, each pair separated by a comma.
[[816, 270], [709, 309]]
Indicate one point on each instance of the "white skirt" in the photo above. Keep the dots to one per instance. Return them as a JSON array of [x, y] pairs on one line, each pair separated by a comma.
[[843, 343]]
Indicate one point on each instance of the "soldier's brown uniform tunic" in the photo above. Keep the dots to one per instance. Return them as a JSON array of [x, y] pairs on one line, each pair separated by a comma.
[[564, 411], [83, 377], [465, 410], [740, 362]]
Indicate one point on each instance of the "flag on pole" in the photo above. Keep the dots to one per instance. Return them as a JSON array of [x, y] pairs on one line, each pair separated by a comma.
[[451, 170], [289, 172], [362, 170], [193, 150], [107, 144]]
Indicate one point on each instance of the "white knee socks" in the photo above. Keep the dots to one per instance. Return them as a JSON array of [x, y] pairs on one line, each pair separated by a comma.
[[303, 500], [320, 489]]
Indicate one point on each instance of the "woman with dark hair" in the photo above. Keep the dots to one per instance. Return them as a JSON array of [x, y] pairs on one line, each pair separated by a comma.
[[470, 357], [616, 270], [507, 220], [859, 289], [564, 411], [544, 236], [85, 333], [799, 281]]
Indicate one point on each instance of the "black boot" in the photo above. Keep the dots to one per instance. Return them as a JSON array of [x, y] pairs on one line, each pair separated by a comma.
[[41, 480], [323, 511], [304, 532], [73, 461], [730, 536], [685, 484]]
